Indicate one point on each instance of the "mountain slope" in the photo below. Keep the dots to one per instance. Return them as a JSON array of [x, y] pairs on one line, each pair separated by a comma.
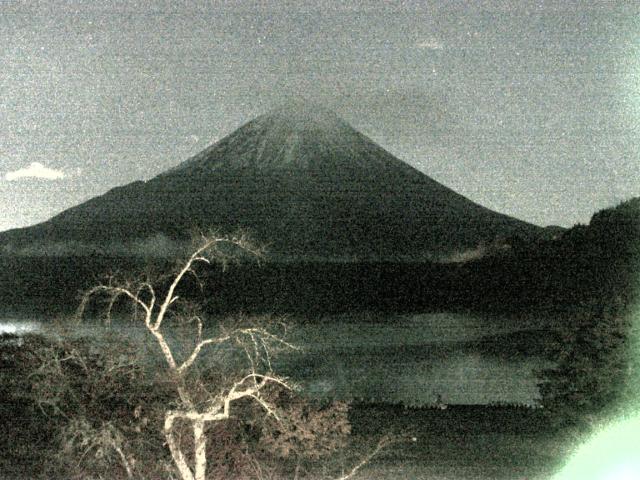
[[300, 179]]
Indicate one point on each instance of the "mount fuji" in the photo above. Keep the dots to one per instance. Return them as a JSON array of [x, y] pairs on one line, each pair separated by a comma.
[[302, 181]]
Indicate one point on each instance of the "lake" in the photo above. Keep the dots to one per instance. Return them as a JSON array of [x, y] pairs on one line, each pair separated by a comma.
[[406, 359]]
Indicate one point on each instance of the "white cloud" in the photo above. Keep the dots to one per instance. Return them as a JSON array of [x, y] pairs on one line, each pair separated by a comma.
[[35, 170], [430, 44]]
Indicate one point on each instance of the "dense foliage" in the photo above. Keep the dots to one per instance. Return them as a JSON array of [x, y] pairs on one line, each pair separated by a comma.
[[95, 411], [592, 353]]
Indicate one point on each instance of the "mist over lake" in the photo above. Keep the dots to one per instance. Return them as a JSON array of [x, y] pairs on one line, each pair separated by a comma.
[[400, 359]]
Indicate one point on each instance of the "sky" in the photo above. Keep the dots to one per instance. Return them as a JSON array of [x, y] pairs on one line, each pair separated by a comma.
[[529, 108]]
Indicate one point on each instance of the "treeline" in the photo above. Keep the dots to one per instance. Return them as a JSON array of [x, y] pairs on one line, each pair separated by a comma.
[[585, 263], [596, 370]]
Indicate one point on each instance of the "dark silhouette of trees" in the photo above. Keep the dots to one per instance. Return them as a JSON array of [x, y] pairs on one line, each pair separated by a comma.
[[592, 355]]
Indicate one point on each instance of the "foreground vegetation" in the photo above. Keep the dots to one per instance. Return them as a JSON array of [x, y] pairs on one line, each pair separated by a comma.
[[74, 430], [76, 408]]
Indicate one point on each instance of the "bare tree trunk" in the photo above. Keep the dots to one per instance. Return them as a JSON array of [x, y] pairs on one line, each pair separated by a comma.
[[176, 453], [200, 448], [125, 462]]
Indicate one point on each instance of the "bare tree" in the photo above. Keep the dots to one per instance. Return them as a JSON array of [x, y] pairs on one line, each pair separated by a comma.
[[196, 404], [157, 305]]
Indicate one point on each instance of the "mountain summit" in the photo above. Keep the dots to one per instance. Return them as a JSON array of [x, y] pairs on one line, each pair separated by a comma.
[[300, 179], [296, 136]]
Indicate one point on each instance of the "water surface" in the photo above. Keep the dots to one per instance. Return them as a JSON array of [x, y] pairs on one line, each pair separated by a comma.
[[409, 359]]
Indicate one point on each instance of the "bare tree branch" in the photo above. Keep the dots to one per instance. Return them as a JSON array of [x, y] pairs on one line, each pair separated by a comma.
[[257, 342], [196, 351], [383, 443]]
